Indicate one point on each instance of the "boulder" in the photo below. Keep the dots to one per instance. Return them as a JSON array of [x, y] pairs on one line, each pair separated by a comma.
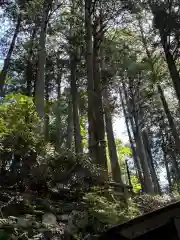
[[49, 219], [23, 222], [12, 219]]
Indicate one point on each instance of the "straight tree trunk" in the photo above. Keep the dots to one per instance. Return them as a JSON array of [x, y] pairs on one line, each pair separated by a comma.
[[143, 168], [98, 67], [74, 88], [90, 79], [98, 109], [8, 57], [40, 82], [171, 65], [155, 180], [74, 94], [140, 145], [170, 151], [144, 162], [154, 77], [167, 169], [135, 157], [46, 119], [170, 118], [29, 68], [166, 161], [115, 168], [166, 47], [58, 113], [70, 124]]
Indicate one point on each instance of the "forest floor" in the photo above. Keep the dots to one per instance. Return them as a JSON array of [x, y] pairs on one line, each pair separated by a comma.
[[58, 215], [30, 216]]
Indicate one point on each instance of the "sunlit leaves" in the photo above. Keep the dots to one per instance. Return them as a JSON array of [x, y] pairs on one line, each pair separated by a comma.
[[122, 151], [136, 185], [19, 120]]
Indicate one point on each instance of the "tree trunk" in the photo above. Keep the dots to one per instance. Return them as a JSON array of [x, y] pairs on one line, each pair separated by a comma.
[[39, 91], [115, 168], [70, 124], [140, 159], [98, 109], [167, 169], [29, 68], [171, 65], [46, 119], [155, 180], [144, 162], [90, 79], [58, 113], [135, 157], [168, 149], [170, 118], [8, 57], [140, 146], [74, 94], [166, 162], [154, 78], [166, 47]]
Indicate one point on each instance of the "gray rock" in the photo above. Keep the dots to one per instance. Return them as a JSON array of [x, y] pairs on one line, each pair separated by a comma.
[[23, 222], [3, 221], [49, 219], [12, 219]]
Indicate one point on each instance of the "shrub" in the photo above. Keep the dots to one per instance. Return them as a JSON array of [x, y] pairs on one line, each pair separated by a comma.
[[20, 142]]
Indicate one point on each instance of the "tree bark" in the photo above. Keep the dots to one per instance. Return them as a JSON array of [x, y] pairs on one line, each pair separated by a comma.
[[46, 119], [140, 145], [8, 57], [170, 118], [154, 79], [144, 162], [74, 94], [169, 150], [135, 157], [70, 124], [90, 79], [29, 68], [166, 47], [155, 180], [101, 157], [147, 183], [40, 82], [166, 161], [115, 168], [58, 113], [171, 65]]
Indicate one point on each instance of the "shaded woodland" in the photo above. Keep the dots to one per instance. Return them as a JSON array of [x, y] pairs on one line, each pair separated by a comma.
[[71, 69]]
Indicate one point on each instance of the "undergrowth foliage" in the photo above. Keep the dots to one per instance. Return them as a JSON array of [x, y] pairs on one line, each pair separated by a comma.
[[67, 181], [18, 124]]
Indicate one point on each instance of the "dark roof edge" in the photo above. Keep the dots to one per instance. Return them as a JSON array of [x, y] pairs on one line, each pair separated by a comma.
[[144, 217]]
